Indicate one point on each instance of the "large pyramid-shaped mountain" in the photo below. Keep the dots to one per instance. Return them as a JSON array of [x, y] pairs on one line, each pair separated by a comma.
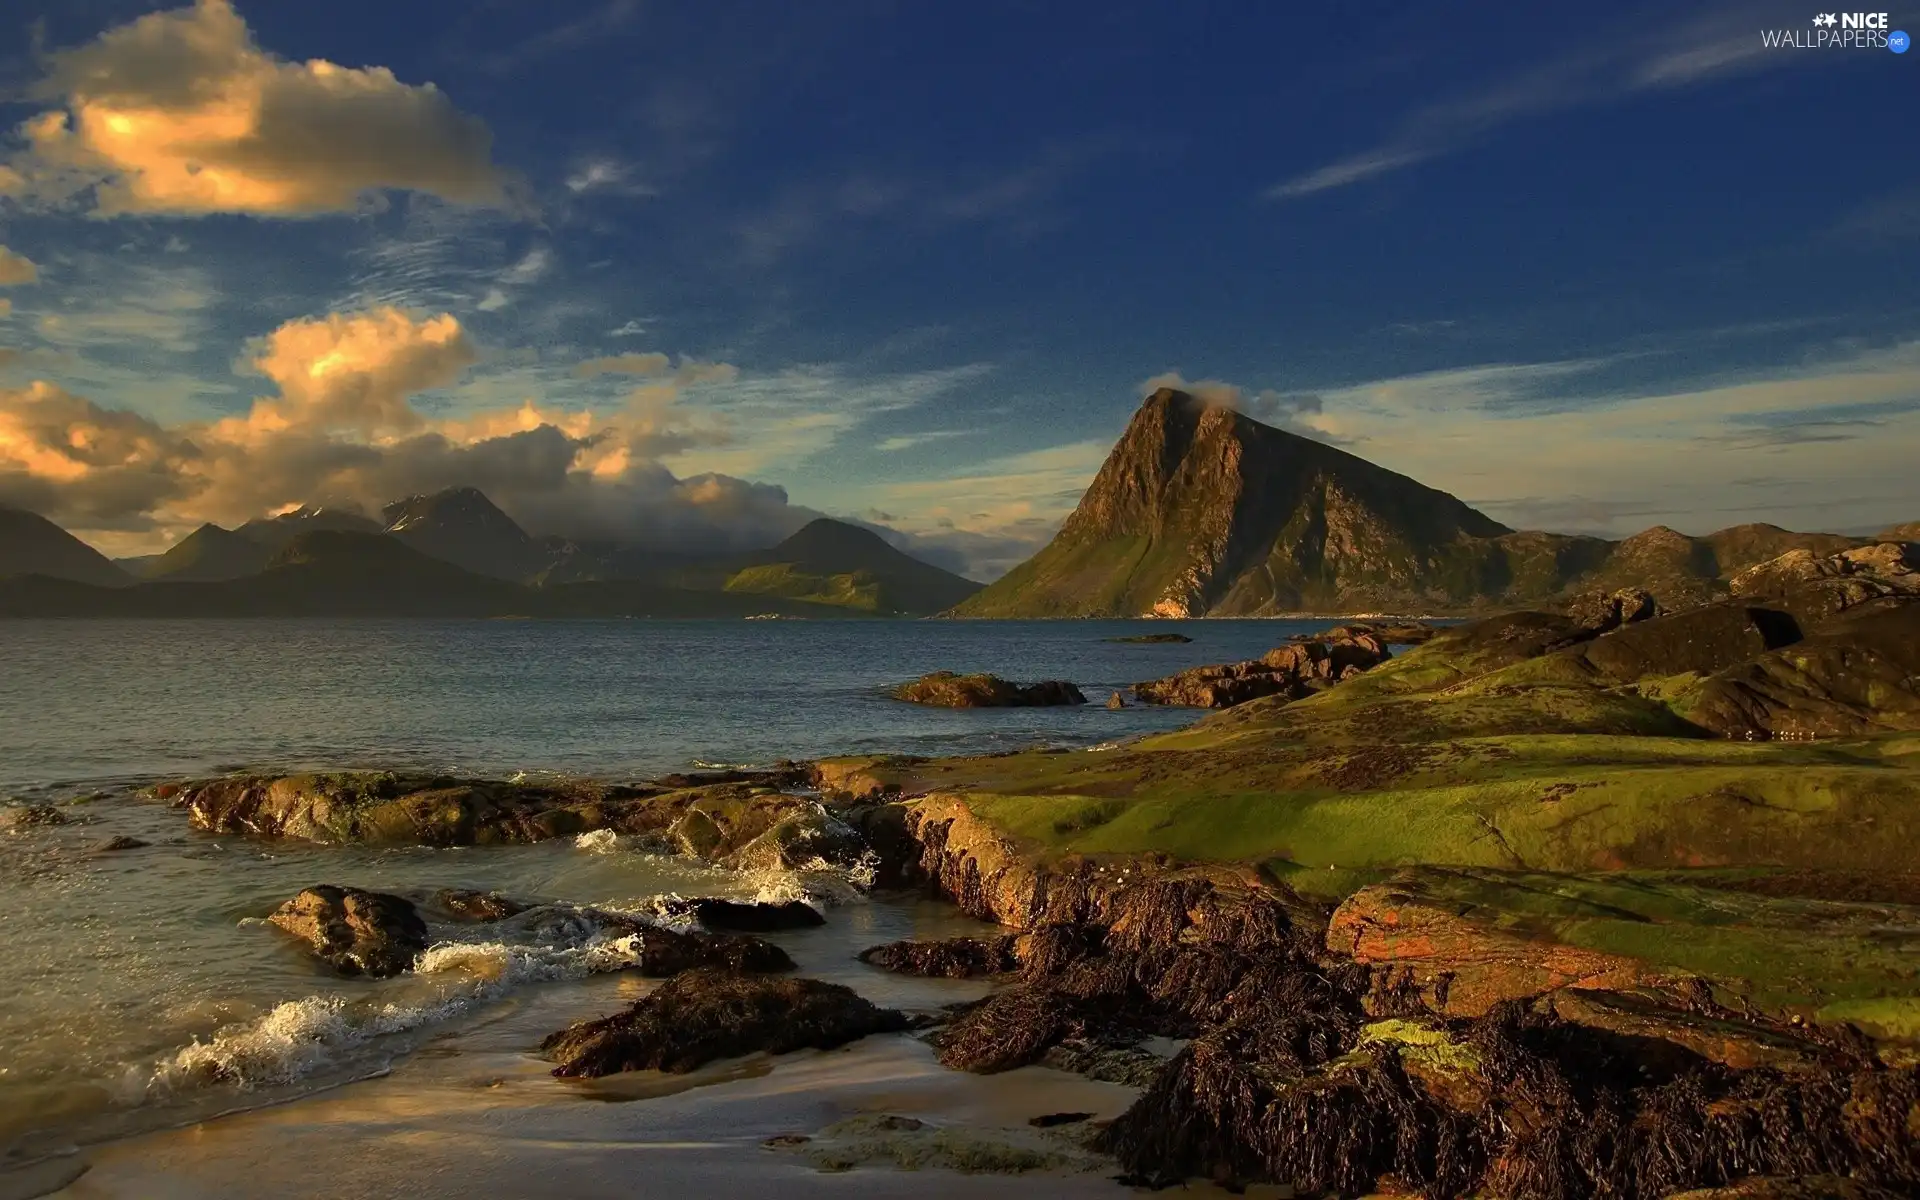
[[1201, 509]]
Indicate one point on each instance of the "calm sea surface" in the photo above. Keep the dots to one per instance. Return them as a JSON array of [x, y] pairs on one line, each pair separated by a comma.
[[140, 986]]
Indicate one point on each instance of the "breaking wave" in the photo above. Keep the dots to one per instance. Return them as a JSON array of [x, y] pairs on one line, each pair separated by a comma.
[[300, 1038]]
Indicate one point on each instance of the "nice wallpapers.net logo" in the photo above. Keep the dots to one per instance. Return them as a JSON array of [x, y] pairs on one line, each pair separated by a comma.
[[1840, 31]]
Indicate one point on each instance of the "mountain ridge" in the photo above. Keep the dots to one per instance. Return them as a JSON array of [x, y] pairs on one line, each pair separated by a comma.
[[32, 545], [454, 553], [1200, 510]]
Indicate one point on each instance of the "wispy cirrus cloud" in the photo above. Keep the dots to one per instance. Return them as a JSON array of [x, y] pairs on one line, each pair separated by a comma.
[[1525, 441], [1680, 53]]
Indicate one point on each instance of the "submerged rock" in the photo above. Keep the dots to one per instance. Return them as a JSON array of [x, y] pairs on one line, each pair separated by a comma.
[[114, 845], [466, 905], [944, 689], [734, 916], [27, 816], [702, 1015], [1151, 639], [354, 932]]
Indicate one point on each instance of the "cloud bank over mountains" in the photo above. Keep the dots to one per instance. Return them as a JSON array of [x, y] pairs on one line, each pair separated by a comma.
[[342, 425]]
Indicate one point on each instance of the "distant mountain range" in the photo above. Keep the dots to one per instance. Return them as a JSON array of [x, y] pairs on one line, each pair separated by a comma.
[[1200, 510], [454, 553]]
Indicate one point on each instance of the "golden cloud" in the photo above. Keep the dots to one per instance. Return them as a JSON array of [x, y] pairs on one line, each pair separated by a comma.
[[342, 426], [181, 112], [16, 269], [355, 373]]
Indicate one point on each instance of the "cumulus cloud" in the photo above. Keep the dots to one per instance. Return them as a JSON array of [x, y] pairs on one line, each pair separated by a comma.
[[344, 425], [357, 373], [66, 456], [181, 112], [16, 269]]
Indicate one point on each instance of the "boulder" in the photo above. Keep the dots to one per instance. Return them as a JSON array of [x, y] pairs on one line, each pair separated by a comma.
[[954, 958], [1861, 676], [27, 816], [697, 835], [465, 905], [733, 916], [801, 840], [114, 845], [355, 932], [1891, 561], [1464, 967], [1151, 639], [1602, 610], [1116, 701], [665, 953], [702, 1015], [944, 689], [1292, 671], [856, 779], [1701, 640]]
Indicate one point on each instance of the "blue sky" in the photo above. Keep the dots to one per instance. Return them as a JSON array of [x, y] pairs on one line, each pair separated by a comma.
[[1587, 268]]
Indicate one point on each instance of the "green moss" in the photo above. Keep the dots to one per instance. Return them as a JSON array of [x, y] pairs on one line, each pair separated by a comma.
[[1894, 1017], [1426, 1048]]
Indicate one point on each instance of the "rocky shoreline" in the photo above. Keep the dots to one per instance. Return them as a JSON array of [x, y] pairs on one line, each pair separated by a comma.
[[1543, 907], [1311, 1049]]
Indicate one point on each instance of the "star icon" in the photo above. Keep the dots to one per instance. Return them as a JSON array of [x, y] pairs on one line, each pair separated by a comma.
[[1827, 19]]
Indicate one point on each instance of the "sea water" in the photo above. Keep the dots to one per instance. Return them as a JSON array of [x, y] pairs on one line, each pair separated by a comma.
[[141, 986]]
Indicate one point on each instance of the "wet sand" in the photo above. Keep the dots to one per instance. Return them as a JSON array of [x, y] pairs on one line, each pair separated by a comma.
[[476, 1112], [493, 1122]]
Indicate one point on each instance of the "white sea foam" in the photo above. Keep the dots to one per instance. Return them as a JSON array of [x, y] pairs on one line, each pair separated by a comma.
[[598, 841], [301, 1037]]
